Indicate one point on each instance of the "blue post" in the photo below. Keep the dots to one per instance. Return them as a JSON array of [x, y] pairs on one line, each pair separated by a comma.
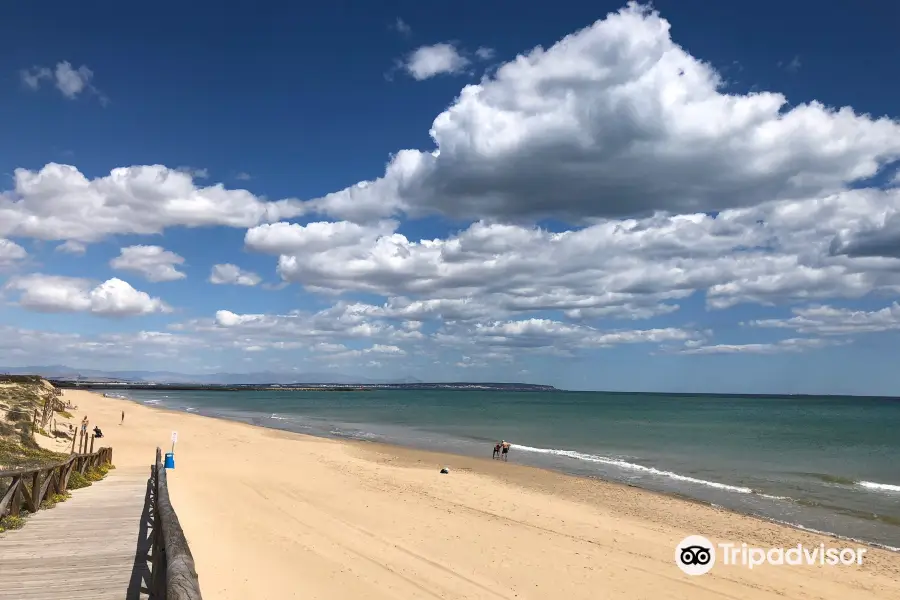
[[170, 460]]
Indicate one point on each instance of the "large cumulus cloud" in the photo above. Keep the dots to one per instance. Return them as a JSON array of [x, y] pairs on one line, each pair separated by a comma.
[[615, 120]]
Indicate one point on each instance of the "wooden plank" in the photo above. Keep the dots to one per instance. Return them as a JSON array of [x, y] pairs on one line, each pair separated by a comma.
[[47, 559], [10, 493], [28, 497], [45, 486]]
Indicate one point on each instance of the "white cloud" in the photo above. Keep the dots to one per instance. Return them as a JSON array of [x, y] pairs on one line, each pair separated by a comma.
[[233, 275], [70, 82], [59, 203], [323, 332], [30, 347], [616, 120], [10, 252], [72, 247], [827, 320], [485, 53], [788, 345], [194, 172], [632, 268], [791, 66], [114, 297], [381, 350], [426, 62], [546, 333], [400, 26], [33, 77], [291, 238], [154, 263]]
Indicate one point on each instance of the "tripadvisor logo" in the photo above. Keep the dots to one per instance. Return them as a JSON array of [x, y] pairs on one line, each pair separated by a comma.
[[696, 555]]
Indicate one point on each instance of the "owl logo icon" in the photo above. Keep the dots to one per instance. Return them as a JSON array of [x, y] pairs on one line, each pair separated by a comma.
[[695, 555]]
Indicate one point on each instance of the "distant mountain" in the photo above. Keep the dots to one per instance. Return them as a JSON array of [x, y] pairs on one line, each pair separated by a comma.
[[258, 378]]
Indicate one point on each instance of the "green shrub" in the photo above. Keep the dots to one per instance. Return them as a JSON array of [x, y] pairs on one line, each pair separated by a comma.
[[77, 481], [11, 522], [97, 473], [54, 499], [25, 453]]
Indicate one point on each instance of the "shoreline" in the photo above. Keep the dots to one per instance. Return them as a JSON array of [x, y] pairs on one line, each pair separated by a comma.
[[446, 454], [442, 456], [646, 523], [747, 502], [396, 449]]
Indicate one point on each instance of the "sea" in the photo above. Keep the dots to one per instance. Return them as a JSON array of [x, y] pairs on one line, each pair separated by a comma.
[[824, 463]]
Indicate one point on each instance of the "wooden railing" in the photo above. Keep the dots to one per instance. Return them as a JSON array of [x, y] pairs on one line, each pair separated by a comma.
[[173, 576], [29, 487]]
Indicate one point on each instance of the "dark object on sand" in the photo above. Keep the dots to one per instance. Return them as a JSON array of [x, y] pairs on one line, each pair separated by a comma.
[[97, 432], [445, 470]]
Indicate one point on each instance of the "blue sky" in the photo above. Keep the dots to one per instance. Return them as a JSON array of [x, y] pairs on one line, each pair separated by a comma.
[[701, 198]]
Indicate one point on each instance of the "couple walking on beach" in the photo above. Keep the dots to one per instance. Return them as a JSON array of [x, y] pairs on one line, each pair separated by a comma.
[[501, 450]]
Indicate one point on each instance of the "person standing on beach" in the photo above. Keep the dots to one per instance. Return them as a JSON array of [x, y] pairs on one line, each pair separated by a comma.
[[84, 424], [123, 418], [504, 445], [496, 450]]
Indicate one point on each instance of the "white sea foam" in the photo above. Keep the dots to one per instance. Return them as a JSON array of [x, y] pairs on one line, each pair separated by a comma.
[[880, 487], [771, 497], [615, 462]]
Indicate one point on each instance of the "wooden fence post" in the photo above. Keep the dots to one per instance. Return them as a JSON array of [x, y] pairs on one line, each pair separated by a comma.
[[92, 444], [29, 487]]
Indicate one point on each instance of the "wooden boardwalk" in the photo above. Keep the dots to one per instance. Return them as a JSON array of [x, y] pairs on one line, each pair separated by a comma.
[[93, 546]]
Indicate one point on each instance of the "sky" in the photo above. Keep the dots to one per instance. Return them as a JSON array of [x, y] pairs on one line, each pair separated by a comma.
[[684, 197]]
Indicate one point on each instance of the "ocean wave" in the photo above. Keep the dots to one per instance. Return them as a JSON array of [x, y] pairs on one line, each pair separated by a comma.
[[615, 462], [277, 418], [190, 409], [881, 487], [355, 435], [771, 497], [848, 482]]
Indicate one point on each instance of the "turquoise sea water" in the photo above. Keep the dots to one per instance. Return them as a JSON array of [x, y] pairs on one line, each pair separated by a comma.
[[825, 463]]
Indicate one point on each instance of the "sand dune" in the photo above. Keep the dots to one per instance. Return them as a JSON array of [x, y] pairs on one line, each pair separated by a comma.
[[276, 515]]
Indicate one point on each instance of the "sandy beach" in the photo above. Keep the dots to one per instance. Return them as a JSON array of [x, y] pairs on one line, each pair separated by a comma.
[[274, 515]]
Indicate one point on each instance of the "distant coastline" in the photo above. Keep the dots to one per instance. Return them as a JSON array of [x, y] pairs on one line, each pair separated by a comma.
[[299, 387]]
